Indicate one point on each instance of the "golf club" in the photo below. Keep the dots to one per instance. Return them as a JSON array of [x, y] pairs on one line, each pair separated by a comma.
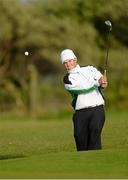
[[109, 29]]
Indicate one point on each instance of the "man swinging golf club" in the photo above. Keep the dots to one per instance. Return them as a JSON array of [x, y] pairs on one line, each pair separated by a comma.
[[84, 84]]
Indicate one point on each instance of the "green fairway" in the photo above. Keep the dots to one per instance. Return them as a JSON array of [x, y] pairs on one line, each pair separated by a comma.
[[104, 164], [46, 149]]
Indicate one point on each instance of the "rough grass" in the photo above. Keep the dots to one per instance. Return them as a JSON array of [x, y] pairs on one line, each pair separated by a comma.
[[46, 149]]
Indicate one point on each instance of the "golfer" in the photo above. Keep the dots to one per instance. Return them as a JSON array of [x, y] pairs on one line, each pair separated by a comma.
[[84, 84]]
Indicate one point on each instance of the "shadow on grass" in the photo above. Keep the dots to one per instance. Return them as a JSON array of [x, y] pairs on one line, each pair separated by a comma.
[[10, 156]]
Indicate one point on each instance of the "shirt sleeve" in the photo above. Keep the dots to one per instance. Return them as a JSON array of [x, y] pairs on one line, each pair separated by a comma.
[[71, 83], [74, 86], [95, 73]]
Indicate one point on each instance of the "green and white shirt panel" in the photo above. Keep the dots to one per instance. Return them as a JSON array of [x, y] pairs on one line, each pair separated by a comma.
[[82, 83]]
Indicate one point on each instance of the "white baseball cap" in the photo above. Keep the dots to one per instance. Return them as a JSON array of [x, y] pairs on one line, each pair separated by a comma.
[[67, 54]]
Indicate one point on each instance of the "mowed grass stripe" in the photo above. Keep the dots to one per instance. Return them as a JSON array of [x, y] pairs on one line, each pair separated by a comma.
[[29, 138], [92, 164]]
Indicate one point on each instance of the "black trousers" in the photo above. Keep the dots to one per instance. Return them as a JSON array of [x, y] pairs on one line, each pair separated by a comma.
[[88, 124]]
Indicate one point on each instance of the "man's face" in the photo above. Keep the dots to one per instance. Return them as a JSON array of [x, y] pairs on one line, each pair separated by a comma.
[[70, 64]]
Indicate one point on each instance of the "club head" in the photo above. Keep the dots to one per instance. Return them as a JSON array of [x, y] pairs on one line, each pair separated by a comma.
[[109, 24]]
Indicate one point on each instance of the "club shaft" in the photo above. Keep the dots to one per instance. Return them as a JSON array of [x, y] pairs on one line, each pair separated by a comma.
[[107, 53], [106, 60]]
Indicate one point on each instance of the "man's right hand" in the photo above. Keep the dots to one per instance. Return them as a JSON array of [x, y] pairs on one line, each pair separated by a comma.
[[103, 81]]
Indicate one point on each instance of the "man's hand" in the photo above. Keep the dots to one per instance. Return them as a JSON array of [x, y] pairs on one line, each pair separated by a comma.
[[103, 81]]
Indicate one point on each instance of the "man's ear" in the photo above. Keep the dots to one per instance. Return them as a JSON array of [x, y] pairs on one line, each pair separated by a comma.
[[75, 59]]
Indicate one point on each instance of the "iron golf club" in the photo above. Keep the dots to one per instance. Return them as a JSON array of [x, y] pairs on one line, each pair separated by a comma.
[[109, 29]]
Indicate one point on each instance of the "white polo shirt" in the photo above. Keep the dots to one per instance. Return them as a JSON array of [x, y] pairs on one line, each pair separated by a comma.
[[83, 83]]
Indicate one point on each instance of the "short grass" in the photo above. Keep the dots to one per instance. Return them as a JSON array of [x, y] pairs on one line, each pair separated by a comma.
[[33, 148]]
